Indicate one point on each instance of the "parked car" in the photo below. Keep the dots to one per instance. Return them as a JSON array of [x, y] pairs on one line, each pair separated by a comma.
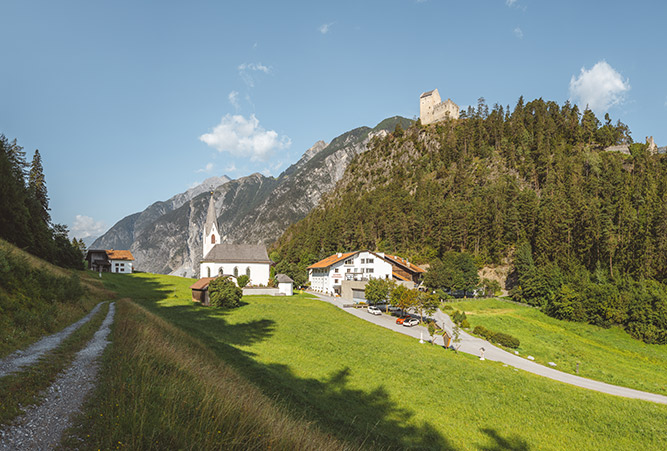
[[410, 322], [401, 319], [374, 310], [393, 308]]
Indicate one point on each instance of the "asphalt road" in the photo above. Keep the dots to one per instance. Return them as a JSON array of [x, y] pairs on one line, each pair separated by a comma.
[[472, 345]]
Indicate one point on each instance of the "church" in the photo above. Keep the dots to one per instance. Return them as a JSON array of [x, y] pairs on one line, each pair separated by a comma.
[[232, 260]]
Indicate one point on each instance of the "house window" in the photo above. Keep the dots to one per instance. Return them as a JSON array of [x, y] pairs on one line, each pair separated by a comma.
[[369, 260], [349, 269], [369, 270], [221, 271], [208, 271], [236, 271], [212, 239], [349, 261], [336, 270], [247, 271]]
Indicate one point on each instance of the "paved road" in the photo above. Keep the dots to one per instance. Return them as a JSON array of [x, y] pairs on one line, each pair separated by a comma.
[[472, 345]]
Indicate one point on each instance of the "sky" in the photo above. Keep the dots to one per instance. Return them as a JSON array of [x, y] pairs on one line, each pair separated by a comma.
[[132, 102]]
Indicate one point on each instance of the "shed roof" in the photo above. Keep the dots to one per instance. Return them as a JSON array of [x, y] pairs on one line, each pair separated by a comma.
[[284, 278], [238, 253], [202, 283]]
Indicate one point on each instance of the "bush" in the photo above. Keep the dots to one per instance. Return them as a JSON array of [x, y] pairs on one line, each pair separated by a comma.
[[465, 324], [224, 293], [497, 337], [458, 317], [243, 280]]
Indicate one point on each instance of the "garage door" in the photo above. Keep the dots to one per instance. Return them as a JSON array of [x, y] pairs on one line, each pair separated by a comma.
[[358, 295]]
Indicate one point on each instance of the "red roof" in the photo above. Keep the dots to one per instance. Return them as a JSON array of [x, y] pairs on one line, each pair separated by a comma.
[[403, 262], [202, 283], [119, 255], [331, 260]]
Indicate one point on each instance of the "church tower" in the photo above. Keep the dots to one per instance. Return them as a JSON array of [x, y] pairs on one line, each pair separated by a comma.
[[211, 235]]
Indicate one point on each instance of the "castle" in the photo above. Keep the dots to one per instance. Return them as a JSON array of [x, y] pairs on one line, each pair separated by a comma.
[[432, 109]]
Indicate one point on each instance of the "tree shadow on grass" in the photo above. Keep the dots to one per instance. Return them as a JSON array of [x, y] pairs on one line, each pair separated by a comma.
[[514, 443], [366, 418]]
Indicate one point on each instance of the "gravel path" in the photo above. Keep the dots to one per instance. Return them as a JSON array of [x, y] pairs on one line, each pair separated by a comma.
[[472, 345], [25, 357], [41, 426]]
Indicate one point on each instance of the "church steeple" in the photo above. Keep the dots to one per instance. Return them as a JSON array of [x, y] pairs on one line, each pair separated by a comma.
[[211, 235]]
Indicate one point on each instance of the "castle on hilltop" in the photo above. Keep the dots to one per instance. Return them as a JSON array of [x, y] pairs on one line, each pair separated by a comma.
[[432, 109]]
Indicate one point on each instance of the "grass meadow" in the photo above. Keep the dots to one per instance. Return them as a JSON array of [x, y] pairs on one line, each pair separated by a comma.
[[316, 367], [608, 355]]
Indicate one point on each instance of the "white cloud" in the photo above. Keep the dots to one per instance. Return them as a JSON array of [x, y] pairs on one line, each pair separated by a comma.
[[600, 88], [243, 137], [207, 168], [246, 72], [230, 168], [510, 2], [234, 99], [324, 28], [518, 33], [85, 226]]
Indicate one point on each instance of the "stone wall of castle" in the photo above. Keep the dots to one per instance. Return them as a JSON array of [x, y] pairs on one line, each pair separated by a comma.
[[432, 109]]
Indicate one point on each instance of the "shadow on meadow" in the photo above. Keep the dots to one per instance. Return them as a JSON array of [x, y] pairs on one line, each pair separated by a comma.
[[514, 443], [368, 418]]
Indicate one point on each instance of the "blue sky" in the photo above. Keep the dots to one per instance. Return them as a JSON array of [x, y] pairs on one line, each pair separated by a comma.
[[130, 102]]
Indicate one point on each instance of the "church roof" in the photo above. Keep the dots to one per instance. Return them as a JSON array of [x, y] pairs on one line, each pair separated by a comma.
[[237, 253], [211, 218], [427, 93]]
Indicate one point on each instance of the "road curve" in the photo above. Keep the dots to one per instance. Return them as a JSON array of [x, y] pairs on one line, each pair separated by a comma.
[[472, 345]]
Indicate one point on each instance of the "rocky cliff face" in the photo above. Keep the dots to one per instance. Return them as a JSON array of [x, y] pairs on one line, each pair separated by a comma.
[[166, 237]]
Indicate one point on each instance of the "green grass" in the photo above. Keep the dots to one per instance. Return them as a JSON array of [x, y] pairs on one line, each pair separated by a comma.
[[24, 388], [372, 387], [33, 302], [608, 355]]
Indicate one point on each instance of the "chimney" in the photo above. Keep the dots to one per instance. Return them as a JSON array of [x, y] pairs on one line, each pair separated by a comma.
[[340, 254]]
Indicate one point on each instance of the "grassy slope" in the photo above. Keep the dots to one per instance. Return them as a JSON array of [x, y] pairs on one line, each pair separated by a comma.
[[25, 321], [608, 355], [362, 382]]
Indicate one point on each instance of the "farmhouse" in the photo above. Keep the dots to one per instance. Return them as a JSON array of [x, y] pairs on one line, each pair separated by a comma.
[[110, 260], [346, 274], [231, 259]]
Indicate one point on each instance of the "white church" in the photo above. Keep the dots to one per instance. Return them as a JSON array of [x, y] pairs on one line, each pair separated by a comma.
[[232, 260]]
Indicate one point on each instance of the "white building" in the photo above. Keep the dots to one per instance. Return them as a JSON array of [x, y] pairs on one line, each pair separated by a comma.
[[329, 275], [285, 284], [231, 259]]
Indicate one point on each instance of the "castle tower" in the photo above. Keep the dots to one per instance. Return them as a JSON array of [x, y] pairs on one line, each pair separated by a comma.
[[433, 109], [211, 235]]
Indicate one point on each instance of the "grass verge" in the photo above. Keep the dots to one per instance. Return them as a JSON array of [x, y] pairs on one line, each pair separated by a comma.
[[162, 389], [24, 388], [607, 355]]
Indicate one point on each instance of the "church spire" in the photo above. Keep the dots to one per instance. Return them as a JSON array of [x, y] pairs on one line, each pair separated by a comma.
[[211, 218], [211, 232]]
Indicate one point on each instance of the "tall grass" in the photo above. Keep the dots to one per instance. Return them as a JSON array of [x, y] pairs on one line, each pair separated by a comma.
[[163, 389], [37, 298]]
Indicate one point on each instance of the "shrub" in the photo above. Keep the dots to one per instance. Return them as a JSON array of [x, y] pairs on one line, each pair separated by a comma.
[[224, 293], [497, 337], [465, 324], [243, 280]]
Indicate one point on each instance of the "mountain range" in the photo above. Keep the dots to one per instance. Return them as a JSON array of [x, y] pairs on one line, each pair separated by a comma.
[[166, 237]]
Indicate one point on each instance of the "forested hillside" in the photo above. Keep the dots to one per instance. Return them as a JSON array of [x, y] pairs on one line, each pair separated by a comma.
[[586, 229], [24, 209]]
